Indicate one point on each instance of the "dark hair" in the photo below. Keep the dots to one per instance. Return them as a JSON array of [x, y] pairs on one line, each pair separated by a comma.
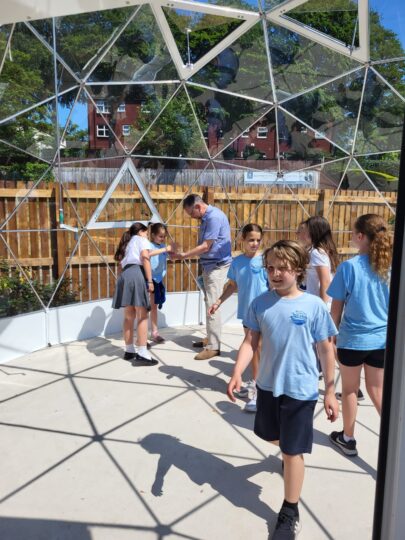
[[251, 227], [155, 228], [292, 253], [134, 229], [191, 200], [321, 238], [379, 252]]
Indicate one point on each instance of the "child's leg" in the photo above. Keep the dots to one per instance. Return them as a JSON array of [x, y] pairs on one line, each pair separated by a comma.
[[350, 386], [128, 326], [374, 384], [293, 477], [142, 330], [153, 315]]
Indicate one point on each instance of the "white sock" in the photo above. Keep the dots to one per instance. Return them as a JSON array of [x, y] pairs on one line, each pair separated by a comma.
[[136, 348], [143, 351], [346, 438], [130, 348]]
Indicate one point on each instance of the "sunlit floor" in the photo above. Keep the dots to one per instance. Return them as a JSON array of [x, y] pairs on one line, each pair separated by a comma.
[[93, 448]]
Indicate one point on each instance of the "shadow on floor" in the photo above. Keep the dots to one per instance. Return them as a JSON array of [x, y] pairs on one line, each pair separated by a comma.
[[202, 467], [235, 415], [195, 378]]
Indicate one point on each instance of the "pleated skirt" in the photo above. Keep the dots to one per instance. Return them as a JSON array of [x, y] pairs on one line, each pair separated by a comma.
[[131, 289]]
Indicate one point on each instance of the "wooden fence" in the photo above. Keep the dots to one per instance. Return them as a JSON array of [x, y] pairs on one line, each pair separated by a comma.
[[44, 250]]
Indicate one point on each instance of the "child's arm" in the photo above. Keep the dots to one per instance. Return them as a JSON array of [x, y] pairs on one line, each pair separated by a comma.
[[327, 358], [245, 355], [229, 288], [171, 248], [336, 311], [324, 281], [145, 254]]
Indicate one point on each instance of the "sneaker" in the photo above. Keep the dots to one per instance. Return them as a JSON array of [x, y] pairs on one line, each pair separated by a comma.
[[251, 406], [207, 354], [129, 355], [360, 396], [348, 448], [288, 525], [200, 344], [141, 361]]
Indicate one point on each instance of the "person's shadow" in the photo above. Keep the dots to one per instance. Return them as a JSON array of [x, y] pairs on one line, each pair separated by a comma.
[[204, 468], [195, 378]]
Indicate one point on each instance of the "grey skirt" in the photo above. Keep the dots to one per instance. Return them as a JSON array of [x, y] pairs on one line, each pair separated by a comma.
[[130, 289]]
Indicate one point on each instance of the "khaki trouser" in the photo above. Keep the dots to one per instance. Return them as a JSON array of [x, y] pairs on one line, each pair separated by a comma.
[[214, 281]]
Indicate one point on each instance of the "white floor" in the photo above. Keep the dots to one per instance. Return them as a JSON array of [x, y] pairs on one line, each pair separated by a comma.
[[93, 448]]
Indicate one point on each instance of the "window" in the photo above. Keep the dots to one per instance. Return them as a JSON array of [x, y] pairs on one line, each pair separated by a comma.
[[103, 107], [102, 130], [245, 134], [262, 132], [126, 130], [121, 107]]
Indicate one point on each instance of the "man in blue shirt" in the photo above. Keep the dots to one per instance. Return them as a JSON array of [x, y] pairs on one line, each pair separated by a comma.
[[214, 250]]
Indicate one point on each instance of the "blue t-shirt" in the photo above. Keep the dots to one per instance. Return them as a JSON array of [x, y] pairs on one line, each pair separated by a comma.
[[365, 294], [215, 226], [289, 329], [158, 263], [251, 279]]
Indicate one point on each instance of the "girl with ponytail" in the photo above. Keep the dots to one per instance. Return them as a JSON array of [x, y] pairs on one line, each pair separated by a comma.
[[360, 311], [132, 290]]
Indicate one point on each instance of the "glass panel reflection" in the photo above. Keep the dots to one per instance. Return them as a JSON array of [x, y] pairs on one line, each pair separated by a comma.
[[139, 54], [337, 19], [197, 33], [27, 76], [299, 63], [381, 118], [331, 109], [240, 68], [387, 29], [382, 169], [249, 5], [394, 74], [4, 37], [175, 132], [223, 117]]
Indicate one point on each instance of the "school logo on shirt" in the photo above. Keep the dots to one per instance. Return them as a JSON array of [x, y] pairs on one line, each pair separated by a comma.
[[299, 318]]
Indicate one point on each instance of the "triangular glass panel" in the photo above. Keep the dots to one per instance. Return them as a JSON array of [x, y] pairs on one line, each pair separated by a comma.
[[139, 54], [329, 175], [126, 200], [34, 131], [196, 33], [381, 118], [27, 76], [240, 68], [332, 109], [86, 132], [175, 132], [4, 37], [387, 29], [257, 143], [336, 19], [83, 186], [131, 108], [394, 74], [300, 146], [82, 38], [223, 117], [299, 63], [270, 4], [31, 280], [382, 169], [88, 274], [356, 179]]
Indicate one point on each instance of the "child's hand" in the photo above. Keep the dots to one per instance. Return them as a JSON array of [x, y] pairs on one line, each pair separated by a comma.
[[234, 384], [331, 406], [151, 288]]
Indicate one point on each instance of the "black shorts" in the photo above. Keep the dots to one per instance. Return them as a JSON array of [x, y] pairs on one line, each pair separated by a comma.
[[354, 358], [287, 420]]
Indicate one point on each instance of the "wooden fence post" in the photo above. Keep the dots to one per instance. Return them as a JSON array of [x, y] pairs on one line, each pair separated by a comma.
[[60, 246]]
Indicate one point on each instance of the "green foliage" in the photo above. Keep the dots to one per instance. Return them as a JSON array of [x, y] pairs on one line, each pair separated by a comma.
[[17, 296], [29, 171]]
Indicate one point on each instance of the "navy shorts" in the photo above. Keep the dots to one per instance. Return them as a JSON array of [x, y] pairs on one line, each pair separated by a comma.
[[355, 358], [287, 420]]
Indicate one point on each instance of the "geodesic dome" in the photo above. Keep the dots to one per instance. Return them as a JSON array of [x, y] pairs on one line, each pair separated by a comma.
[[182, 93]]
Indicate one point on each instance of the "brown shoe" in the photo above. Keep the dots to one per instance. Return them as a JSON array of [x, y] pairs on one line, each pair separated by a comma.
[[200, 344], [206, 354]]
